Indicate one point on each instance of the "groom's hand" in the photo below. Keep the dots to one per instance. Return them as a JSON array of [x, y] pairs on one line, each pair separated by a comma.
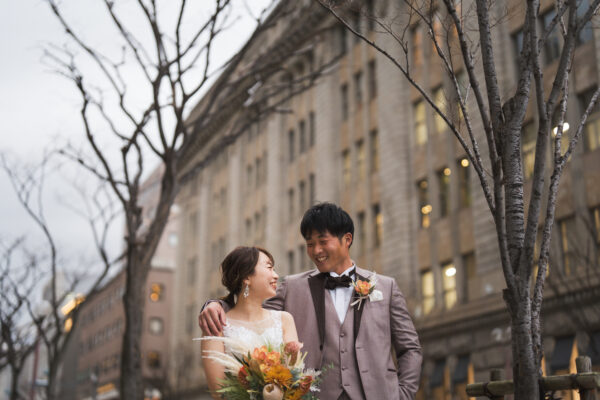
[[212, 319]]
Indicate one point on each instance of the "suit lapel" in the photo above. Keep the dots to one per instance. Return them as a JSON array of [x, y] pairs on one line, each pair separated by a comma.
[[317, 290], [358, 312]]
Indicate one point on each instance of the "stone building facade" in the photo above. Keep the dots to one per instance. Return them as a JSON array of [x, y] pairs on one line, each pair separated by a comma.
[[363, 137]]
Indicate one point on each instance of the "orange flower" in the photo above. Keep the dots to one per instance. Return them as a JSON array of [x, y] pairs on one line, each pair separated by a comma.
[[294, 394], [279, 375], [243, 377], [363, 288]]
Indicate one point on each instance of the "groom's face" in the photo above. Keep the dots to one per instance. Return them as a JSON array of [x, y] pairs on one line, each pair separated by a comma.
[[328, 252]]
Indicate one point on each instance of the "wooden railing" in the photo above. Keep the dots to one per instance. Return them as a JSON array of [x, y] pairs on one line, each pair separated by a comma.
[[585, 381]]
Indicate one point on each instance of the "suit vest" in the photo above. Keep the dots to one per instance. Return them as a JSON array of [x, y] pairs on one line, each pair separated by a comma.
[[339, 356]]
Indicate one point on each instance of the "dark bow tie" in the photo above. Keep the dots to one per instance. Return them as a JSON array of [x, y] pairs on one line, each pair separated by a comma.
[[332, 282]]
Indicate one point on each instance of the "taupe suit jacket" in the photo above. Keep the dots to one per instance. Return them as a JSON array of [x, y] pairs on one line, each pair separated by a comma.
[[379, 328]]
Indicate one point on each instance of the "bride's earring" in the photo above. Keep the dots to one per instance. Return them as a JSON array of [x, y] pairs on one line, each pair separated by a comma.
[[246, 291]]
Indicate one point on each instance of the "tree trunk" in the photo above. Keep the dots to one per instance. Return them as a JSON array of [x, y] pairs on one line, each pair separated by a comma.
[[14, 383], [525, 369], [133, 302]]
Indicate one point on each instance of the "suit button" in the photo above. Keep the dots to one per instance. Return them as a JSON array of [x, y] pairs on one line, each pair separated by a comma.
[[343, 368], [342, 351], [346, 384], [342, 334]]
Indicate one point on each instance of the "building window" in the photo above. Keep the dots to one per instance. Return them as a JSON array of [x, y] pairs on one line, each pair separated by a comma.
[[464, 187], [361, 159], [291, 204], [463, 86], [586, 33], [157, 292], [257, 223], [372, 80], [444, 191], [528, 149], [344, 92], [362, 235], [156, 325], [249, 175], [591, 131], [417, 46], [258, 175], [355, 16], [342, 37], [346, 165], [420, 125], [517, 43], [291, 265], [302, 196], [191, 278], [552, 44], [302, 257], [311, 129], [248, 228], [449, 285], [470, 272], [440, 101], [378, 219], [424, 206], [311, 189], [428, 291], [358, 96], [371, 14], [374, 151], [302, 133], [566, 228], [189, 319], [291, 142], [153, 359]]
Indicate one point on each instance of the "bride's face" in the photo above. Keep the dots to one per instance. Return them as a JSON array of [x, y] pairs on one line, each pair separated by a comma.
[[263, 282]]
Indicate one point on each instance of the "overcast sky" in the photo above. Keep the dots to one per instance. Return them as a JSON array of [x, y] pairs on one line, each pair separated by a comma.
[[38, 108]]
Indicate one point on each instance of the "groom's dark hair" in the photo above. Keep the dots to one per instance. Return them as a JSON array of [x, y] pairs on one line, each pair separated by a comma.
[[326, 217]]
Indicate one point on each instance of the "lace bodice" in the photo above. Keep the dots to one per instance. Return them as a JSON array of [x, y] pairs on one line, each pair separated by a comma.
[[255, 333]]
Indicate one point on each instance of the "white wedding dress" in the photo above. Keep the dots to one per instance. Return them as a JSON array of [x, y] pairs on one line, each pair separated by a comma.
[[254, 334]]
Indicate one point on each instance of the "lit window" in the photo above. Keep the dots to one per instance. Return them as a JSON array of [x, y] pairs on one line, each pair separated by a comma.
[[346, 164], [374, 151], [428, 291], [361, 159], [591, 135], [444, 191], [440, 101], [449, 285], [157, 292], [424, 206], [566, 228], [420, 125], [378, 216], [464, 188], [156, 325]]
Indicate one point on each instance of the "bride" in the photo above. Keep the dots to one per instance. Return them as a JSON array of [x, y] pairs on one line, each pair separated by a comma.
[[248, 274]]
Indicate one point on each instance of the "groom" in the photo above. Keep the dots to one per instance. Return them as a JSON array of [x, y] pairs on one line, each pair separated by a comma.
[[357, 341]]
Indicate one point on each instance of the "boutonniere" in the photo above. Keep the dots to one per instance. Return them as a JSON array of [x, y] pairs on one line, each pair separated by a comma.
[[366, 290]]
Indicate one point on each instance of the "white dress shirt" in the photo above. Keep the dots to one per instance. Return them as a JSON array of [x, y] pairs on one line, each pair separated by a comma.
[[341, 296]]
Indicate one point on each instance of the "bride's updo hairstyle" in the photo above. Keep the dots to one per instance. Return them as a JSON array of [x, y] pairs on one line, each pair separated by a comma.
[[237, 266]]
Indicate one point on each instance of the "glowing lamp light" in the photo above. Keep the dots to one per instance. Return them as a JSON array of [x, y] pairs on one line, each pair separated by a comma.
[[464, 162], [565, 128], [426, 209], [450, 272], [447, 171]]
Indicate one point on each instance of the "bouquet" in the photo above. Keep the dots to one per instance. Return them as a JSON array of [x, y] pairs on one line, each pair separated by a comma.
[[265, 373]]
